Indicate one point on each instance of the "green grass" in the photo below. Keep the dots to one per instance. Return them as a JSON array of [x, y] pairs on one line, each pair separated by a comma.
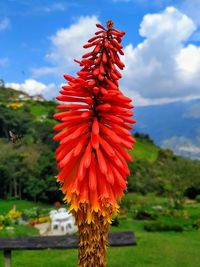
[[38, 109], [168, 249], [19, 231], [144, 150], [41, 108], [6, 205]]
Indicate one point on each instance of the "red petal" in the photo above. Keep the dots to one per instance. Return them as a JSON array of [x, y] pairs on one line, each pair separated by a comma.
[[92, 175], [101, 161]]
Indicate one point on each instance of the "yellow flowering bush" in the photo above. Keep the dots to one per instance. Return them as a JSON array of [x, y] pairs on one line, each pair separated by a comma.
[[1, 222], [14, 214], [15, 105], [43, 219]]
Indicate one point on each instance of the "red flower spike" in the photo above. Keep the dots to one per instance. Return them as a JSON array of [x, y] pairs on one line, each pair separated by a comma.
[[94, 137]]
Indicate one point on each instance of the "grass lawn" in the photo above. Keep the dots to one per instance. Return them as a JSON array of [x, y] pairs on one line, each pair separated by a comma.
[[6, 205], [157, 249], [20, 231]]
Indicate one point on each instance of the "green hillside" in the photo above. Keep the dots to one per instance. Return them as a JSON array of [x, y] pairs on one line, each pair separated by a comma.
[[144, 150]]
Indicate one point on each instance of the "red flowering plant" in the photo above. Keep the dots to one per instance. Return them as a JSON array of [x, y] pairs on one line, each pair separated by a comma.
[[94, 137]]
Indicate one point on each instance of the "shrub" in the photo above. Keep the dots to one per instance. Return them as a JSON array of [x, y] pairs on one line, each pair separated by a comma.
[[197, 198], [14, 214], [43, 219], [125, 204], [1, 219], [115, 221], [7, 221], [145, 215], [196, 224], [35, 213], [177, 213], [162, 227]]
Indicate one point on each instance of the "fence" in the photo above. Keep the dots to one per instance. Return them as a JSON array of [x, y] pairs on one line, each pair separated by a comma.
[[115, 239]]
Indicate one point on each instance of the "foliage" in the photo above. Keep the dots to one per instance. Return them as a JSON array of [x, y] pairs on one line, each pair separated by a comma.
[[35, 213], [176, 213], [14, 214], [115, 221], [197, 198], [162, 227], [196, 224], [145, 215]]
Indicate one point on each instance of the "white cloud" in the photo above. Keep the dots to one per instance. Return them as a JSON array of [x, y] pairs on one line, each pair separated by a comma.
[[189, 60], [170, 24], [161, 69], [4, 24], [32, 87], [183, 146], [67, 45]]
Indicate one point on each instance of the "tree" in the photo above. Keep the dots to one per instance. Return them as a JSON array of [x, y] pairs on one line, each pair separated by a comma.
[[14, 172], [2, 84]]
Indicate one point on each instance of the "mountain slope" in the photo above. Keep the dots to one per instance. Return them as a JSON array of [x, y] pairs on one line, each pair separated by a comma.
[[175, 126]]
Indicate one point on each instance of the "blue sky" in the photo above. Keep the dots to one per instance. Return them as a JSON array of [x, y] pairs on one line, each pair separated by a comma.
[[40, 38]]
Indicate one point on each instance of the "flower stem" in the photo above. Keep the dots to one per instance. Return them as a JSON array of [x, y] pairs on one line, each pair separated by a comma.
[[93, 240]]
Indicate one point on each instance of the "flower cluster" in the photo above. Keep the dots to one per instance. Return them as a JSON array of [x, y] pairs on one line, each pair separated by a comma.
[[95, 133], [95, 130]]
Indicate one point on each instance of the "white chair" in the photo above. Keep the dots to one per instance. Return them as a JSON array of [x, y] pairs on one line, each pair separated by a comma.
[[62, 210], [68, 226], [52, 213], [54, 222]]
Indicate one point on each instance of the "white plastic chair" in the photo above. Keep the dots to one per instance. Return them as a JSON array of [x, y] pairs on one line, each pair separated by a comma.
[[52, 213], [54, 222], [62, 210], [68, 226]]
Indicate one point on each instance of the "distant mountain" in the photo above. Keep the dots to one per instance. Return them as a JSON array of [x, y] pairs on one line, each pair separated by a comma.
[[175, 126]]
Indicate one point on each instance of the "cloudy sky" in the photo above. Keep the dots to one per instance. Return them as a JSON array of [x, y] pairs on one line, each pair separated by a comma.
[[40, 38]]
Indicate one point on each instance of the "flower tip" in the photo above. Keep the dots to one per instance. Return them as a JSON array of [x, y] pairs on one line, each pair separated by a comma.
[[109, 24]]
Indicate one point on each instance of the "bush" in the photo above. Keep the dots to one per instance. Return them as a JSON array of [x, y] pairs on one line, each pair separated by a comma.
[[162, 227], [197, 198], [44, 219], [115, 221], [126, 204], [176, 213], [35, 212], [7, 221], [14, 214], [145, 215], [196, 224]]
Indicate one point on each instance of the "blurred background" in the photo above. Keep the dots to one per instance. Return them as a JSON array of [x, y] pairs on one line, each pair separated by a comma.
[[38, 42]]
